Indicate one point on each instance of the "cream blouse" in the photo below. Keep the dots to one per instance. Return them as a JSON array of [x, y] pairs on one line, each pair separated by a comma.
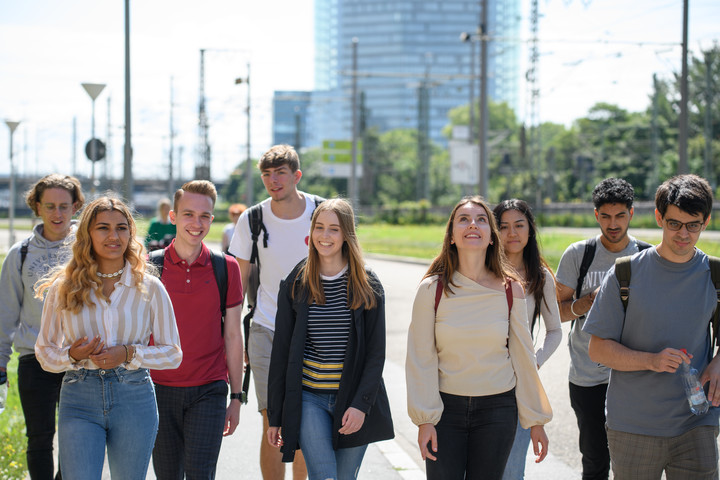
[[469, 349], [129, 318]]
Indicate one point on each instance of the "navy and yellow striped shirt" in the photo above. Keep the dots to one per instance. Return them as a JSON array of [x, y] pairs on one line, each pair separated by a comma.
[[327, 337]]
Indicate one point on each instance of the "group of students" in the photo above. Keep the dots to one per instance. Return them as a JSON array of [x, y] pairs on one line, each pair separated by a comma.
[[149, 346]]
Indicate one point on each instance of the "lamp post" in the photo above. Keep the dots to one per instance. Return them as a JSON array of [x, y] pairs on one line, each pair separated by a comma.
[[93, 89], [248, 162], [466, 37], [11, 207]]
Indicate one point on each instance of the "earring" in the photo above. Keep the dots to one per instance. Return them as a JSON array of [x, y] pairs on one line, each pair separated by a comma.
[[491, 242]]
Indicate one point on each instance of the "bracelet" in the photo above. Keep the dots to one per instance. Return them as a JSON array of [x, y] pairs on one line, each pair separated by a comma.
[[572, 310], [128, 361]]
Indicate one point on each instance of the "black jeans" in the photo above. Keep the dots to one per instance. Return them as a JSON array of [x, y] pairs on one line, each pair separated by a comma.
[[189, 436], [475, 436], [589, 406], [39, 393]]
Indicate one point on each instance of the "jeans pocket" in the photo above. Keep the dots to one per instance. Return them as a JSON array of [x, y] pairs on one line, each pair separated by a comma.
[[71, 377], [137, 377]]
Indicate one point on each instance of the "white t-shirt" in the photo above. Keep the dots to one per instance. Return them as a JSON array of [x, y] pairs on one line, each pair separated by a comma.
[[287, 245]]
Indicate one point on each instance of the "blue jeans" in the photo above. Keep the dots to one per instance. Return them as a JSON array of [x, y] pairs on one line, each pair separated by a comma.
[[316, 441], [515, 466], [474, 437], [107, 408]]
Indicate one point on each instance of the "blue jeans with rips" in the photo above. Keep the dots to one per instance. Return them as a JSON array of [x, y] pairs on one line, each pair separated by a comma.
[[107, 408], [316, 441]]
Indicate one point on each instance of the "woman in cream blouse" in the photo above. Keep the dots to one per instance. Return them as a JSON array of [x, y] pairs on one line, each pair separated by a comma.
[[100, 311], [471, 369]]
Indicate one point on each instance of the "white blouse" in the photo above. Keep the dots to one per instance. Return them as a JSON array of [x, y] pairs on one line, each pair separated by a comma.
[[129, 318]]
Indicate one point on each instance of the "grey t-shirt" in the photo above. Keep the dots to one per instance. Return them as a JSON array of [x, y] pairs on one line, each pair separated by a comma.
[[583, 371], [670, 305]]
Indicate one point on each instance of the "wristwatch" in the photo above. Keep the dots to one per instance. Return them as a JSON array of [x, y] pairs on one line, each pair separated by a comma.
[[236, 396]]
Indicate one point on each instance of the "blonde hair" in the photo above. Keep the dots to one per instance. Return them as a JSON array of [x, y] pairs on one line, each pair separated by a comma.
[[79, 275], [54, 180], [359, 293], [446, 263]]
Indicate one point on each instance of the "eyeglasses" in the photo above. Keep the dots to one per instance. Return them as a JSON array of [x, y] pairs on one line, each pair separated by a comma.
[[692, 227], [51, 207]]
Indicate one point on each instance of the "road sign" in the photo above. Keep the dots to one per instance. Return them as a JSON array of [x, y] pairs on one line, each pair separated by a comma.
[[96, 147]]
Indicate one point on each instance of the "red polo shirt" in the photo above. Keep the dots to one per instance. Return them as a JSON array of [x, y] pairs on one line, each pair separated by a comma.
[[196, 300]]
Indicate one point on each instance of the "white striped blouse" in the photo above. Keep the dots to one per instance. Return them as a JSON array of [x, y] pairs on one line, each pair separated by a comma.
[[130, 318]]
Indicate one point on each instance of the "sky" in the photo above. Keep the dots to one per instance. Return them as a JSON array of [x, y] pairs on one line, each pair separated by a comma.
[[590, 51]]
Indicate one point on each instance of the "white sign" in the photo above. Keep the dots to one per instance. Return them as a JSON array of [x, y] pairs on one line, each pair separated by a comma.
[[340, 170], [464, 161]]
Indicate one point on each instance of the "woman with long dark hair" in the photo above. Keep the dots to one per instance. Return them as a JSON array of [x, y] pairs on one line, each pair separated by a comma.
[[519, 238], [325, 391], [101, 309], [470, 362]]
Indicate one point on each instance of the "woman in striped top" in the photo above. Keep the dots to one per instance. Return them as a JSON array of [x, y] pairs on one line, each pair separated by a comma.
[[326, 392], [100, 312]]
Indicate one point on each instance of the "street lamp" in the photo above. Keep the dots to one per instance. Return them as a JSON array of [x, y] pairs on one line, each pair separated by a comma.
[[466, 37], [248, 161], [11, 207], [93, 89]]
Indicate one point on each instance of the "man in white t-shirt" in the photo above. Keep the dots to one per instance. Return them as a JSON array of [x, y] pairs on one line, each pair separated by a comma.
[[286, 216]]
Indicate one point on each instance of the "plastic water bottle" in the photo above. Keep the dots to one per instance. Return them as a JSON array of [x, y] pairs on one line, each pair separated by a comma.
[[3, 390], [693, 389]]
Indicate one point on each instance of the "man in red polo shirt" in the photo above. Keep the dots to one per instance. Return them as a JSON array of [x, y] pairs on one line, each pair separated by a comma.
[[192, 400]]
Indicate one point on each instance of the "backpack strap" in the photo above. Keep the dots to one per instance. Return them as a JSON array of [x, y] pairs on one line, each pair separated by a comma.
[[157, 258], [24, 252], [255, 217], [438, 293], [219, 265], [587, 259], [715, 320], [623, 274], [642, 245], [509, 295]]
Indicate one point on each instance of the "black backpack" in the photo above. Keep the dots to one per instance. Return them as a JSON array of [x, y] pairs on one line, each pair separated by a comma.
[[588, 257], [219, 265], [255, 218], [623, 273]]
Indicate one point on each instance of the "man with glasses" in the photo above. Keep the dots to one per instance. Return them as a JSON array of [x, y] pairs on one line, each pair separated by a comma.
[[650, 427], [580, 272]]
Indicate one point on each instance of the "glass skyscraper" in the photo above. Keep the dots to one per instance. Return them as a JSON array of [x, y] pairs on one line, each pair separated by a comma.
[[406, 47]]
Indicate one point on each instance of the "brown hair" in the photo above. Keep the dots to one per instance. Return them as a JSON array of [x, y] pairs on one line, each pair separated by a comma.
[[201, 187], [446, 263], [359, 292], [278, 156], [79, 275], [55, 180]]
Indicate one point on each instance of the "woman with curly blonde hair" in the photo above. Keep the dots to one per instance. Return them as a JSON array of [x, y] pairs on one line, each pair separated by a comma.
[[100, 312]]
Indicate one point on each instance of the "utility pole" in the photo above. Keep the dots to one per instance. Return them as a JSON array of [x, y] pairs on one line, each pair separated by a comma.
[[128, 176], [654, 137], [250, 198], [352, 190], [423, 174], [171, 178], [709, 171], [683, 127], [483, 186], [202, 169]]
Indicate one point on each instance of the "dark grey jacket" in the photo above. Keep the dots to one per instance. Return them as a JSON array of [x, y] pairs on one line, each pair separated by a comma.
[[361, 383]]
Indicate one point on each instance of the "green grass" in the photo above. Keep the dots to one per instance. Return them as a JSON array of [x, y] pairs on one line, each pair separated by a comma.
[[12, 424], [424, 241]]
